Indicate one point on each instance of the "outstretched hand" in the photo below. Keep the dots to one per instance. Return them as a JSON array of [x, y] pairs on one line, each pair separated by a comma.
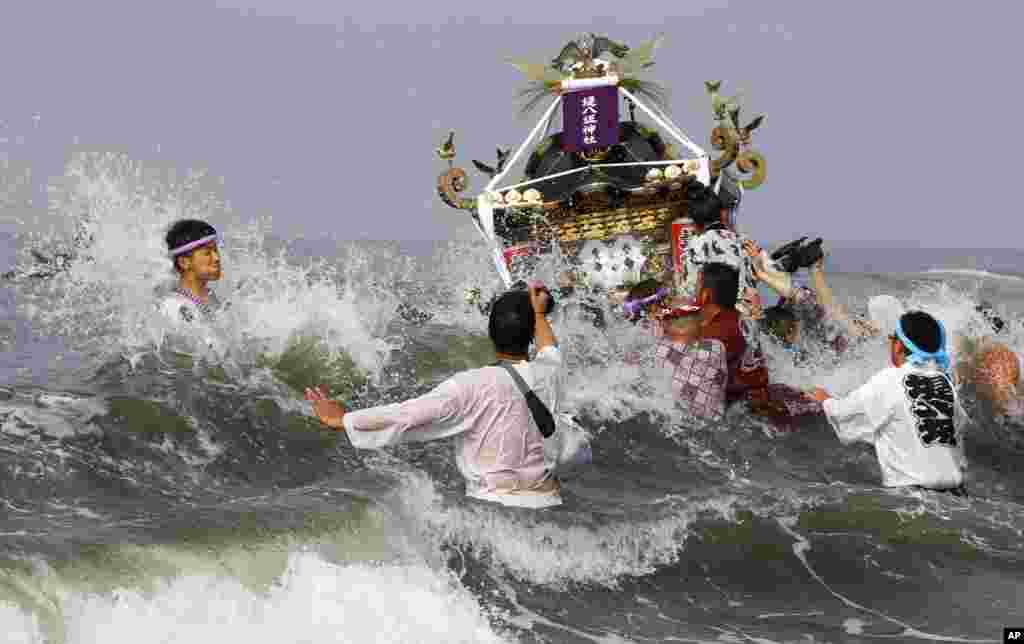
[[753, 251], [776, 280], [330, 412]]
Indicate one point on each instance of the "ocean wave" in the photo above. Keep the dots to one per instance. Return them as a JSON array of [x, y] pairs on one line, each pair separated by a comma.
[[235, 456], [313, 600], [557, 549], [970, 272]]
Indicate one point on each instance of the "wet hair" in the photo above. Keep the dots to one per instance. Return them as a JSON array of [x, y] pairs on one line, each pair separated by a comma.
[[990, 316], [512, 323], [186, 231], [724, 283], [705, 206], [639, 292], [923, 330], [778, 320]]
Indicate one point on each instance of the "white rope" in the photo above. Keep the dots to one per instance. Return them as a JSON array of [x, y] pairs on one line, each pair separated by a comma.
[[678, 131], [690, 145], [515, 157], [485, 208], [674, 128], [588, 167], [499, 262]]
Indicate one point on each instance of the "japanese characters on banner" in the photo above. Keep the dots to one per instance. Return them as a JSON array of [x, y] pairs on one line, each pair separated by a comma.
[[591, 118], [682, 230]]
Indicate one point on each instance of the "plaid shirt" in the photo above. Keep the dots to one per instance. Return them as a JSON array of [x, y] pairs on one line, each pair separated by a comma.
[[699, 375]]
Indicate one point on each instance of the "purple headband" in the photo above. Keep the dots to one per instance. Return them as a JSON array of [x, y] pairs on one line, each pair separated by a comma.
[[632, 307], [202, 241]]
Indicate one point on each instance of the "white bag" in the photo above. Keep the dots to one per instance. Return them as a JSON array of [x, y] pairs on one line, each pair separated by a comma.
[[569, 447]]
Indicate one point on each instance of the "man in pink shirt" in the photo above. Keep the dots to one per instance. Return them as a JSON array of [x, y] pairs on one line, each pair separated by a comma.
[[498, 446]]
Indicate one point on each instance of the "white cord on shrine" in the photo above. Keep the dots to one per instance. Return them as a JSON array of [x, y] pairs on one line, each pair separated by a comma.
[[485, 205], [588, 167], [690, 145], [676, 130], [485, 212], [499, 263], [515, 157]]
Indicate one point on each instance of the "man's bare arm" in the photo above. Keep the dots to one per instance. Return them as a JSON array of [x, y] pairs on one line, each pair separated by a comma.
[[821, 287], [544, 336]]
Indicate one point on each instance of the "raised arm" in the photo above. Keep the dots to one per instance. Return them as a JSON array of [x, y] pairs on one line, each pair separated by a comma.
[[544, 336], [838, 313], [821, 287], [777, 281]]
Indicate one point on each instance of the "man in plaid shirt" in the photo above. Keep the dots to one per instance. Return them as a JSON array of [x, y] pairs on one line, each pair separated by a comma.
[[698, 367], [702, 347], [705, 347]]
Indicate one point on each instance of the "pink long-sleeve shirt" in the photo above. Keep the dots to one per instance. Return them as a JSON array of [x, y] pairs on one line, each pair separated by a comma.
[[498, 447]]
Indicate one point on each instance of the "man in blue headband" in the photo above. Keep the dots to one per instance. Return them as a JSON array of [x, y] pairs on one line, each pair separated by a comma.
[[910, 411], [192, 245]]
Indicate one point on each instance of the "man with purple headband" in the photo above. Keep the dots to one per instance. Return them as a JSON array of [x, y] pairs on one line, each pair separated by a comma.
[[644, 301], [192, 245], [643, 306]]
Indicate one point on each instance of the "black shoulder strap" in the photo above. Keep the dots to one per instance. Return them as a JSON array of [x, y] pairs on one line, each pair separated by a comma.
[[541, 414]]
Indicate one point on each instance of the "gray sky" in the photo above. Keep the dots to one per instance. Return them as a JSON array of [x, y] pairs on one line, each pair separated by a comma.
[[885, 120]]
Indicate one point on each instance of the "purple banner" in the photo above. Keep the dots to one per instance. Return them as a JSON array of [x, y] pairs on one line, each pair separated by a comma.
[[590, 118]]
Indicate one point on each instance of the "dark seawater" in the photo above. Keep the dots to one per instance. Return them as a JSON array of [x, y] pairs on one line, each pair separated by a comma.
[[150, 492]]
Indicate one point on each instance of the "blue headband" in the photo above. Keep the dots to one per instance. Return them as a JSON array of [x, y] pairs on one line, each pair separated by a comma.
[[917, 355]]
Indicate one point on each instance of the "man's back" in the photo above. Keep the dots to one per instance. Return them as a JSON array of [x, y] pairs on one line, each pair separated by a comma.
[[502, 447], [746, 368], [912, 415], [698, 373], [498, 447]]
